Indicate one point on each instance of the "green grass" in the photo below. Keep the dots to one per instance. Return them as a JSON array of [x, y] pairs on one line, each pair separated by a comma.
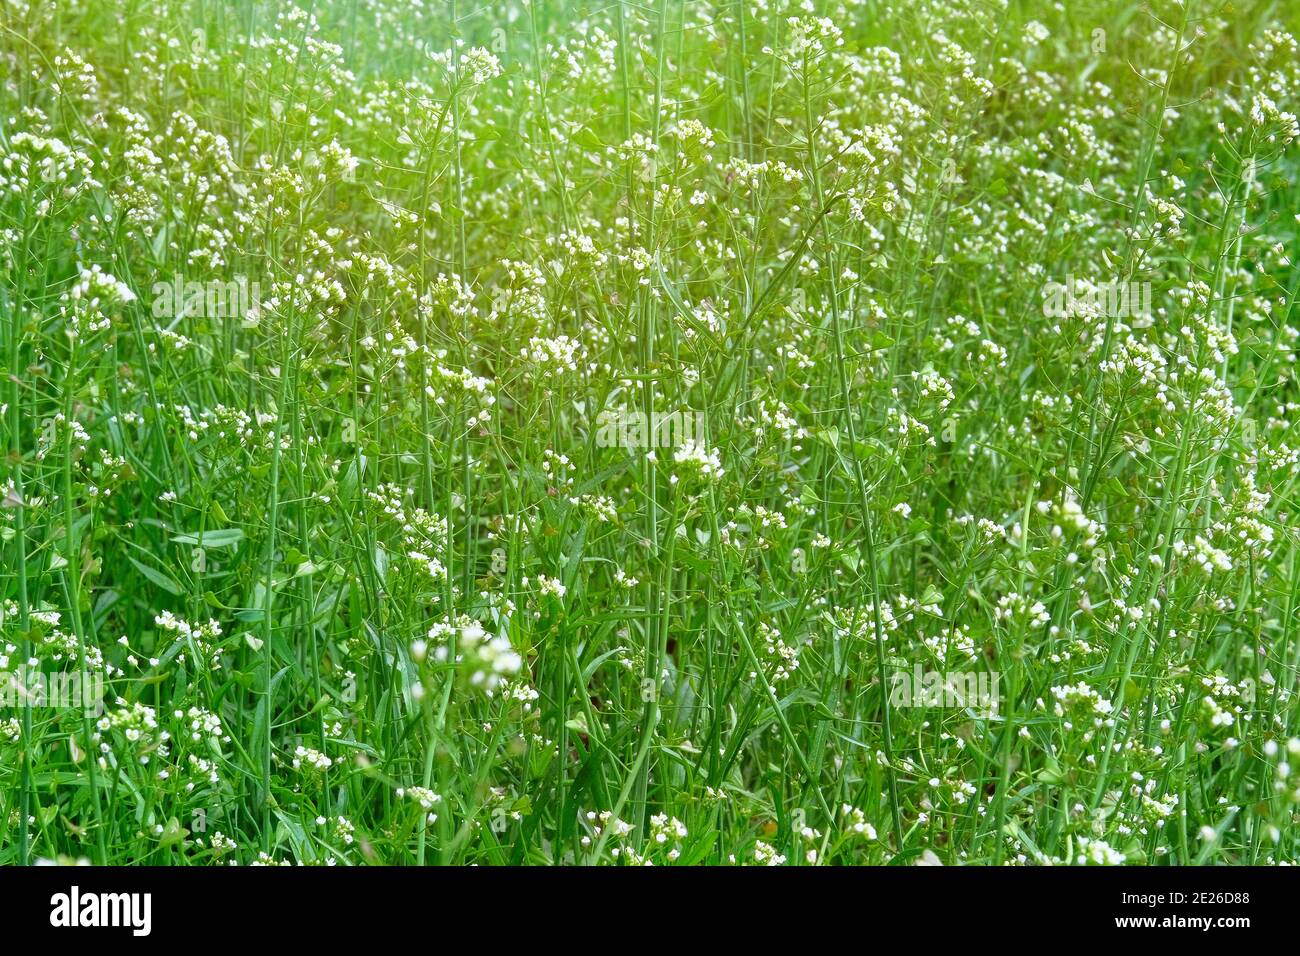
[[366, 582]]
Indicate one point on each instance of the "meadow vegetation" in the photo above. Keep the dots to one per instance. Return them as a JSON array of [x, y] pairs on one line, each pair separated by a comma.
[[710, 432]]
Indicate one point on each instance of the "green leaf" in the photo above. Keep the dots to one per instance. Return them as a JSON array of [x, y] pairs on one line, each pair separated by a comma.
[[932, 595], [523, 805], [217, 538], [1132, 692], [578, 724], [1051, 774], [156, 577], [172, 833], [830, 436]]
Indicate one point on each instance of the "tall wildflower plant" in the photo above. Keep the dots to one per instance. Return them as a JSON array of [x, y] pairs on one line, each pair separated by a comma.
[[703, 433]]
